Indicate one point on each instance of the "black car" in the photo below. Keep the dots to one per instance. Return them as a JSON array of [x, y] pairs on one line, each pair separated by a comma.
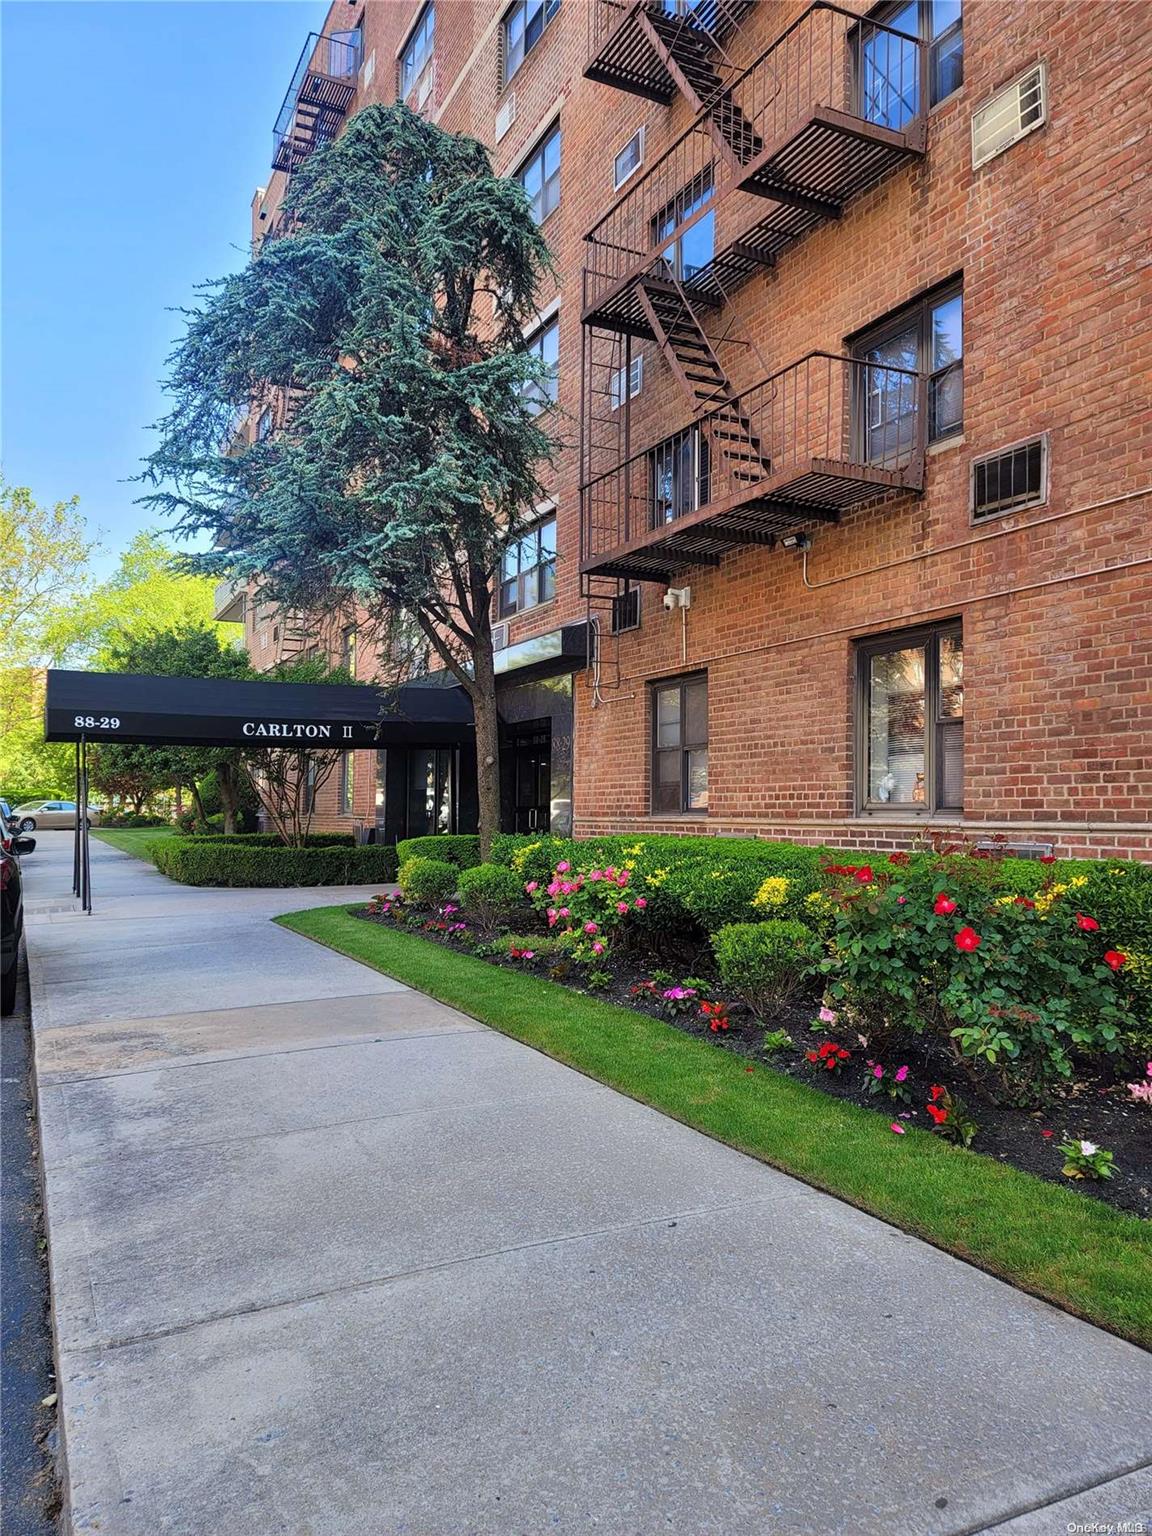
[[11, 911]]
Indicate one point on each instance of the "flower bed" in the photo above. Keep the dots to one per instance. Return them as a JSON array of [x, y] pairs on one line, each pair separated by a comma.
[[986, 1003]]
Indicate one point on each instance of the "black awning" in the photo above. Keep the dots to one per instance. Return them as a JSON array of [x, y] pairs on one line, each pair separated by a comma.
[[220, 712]]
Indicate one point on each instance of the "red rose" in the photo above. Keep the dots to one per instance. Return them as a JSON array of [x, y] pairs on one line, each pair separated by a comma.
[[1047, 858], [945, 906], [1022, 901], [1086, 924], [864, 874], [968, 940], [1115, 958], [938, 1115]]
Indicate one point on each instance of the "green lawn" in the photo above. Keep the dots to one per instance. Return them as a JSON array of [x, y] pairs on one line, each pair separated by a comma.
[[133, 840], [1066, 1247]]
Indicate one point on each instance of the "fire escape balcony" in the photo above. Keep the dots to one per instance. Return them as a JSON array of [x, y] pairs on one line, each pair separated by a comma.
[[322, 88], [830, 108], [628, 40], [819, 438]]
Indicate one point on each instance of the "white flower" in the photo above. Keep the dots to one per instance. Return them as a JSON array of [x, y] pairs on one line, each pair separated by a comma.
[[1089, 1148]]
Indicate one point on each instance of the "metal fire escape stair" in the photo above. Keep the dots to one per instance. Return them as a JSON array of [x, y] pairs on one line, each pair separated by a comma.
[[681, 338], [687, 53]]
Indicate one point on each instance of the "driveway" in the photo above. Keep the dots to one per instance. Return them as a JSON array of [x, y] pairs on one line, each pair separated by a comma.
[[330, 1259]]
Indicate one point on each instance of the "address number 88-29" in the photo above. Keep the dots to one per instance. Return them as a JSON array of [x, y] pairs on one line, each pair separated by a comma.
[[97, 722]]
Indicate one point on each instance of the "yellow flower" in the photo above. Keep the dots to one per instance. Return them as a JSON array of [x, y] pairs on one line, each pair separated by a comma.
[[656, 878], [773, 892], [1077, 881], [522, 855], [1005, 901], [634, 853]]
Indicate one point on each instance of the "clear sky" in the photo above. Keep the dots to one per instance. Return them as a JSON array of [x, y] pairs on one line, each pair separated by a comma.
[[134, 134]]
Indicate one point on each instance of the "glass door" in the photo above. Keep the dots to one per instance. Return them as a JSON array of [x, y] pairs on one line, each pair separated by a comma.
[[532, 781]]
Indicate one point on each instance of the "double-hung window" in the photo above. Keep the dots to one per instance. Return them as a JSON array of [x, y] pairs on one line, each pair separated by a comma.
[[528, 569], [348, 649], [690, 251], [523, 27], [678, 472], [347, 783], [888, 59], [265, 423], [540, 175], [545, 345], [680, 745], [910, 739], [416, 66], [925, 338]]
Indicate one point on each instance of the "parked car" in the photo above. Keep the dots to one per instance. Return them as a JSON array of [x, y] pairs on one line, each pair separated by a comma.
[[5, 810], [51, 815], [11, 910]]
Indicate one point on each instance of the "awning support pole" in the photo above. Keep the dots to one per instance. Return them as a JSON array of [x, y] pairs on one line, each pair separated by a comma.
[[82, 823], [76, 835]]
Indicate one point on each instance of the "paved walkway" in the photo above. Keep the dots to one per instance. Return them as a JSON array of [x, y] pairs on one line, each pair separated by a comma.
[[329, 1259]]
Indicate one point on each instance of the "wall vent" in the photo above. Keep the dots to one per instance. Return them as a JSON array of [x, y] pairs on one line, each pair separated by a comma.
[[506, 116], [1015, 111], [499, 637], [1013, 478]]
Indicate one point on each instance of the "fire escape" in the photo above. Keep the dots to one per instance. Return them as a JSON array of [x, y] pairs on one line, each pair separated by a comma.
[[322, 88], [776, 148]]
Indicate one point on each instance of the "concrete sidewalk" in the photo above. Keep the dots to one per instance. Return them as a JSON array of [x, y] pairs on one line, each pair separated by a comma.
[[330, 1259]]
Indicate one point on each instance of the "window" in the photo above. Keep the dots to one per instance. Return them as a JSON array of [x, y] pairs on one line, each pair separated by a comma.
[[1016, 477], [264, 423], [431, 791], [678, 474], [625, 609], [691, 251], [416, 60], [545, 344], [910, 747], [540, 175], [680, 745], [928, 338], [528, 569], [889, 66], [523, 26], [348, 649], [629, 160], [616, 393], [347, 782]]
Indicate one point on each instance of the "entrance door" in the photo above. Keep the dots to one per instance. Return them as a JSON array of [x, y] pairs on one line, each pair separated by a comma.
[[431, 791], [532, 780]]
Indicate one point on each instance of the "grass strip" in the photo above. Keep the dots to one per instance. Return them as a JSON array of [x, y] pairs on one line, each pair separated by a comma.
[[1058, 1244], [134, 840]]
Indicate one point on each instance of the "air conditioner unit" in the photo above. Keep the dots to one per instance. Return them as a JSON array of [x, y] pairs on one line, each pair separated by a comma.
[[1015, 111], [506, 116], [499, 637]]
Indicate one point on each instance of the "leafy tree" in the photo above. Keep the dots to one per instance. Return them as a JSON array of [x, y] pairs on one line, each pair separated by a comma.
[[44, 554], [29, 766], [189, 650], [388, 326], [131, 772], [149, 593]]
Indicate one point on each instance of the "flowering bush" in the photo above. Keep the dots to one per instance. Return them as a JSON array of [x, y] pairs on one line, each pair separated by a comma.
[[588, 907], [716, 1015], [1014, 982], [891, 1082], [949, 1116], [1085, 1160], [829, 1056]]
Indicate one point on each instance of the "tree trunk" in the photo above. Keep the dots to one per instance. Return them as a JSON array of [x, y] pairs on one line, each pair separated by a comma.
[[138, 804], [227, 775], [194, 791], [487, 737]]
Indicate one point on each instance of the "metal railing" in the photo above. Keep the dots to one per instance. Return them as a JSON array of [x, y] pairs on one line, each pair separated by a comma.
[[323, 83], [712, 19], [867, 419], [828, 58]]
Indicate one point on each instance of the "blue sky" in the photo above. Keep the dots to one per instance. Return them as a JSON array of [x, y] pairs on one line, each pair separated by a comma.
[[134, 134]]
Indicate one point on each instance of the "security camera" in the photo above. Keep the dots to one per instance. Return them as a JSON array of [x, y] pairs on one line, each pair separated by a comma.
[[678, 597]]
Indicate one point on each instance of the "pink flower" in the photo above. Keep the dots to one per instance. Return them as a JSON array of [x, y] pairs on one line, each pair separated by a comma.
[[554, 888], [564, 912], [531, 886], [901, 1074], [551, 914], [596, 875], [529, 954], [641, 901], [828, 1015], [897, 1127], [901, 901], [621, 907], [610, 872], [623, 877], [563, 867], [597, 948], [877, 1071], [591, 928]]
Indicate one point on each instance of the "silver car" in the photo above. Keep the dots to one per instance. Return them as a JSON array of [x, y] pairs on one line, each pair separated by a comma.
[[51, 815]]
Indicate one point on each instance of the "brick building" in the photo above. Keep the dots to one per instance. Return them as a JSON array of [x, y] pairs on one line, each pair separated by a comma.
[[853, 332]]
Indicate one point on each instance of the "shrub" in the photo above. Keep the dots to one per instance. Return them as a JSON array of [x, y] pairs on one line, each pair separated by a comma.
[[588, 905], [490, 893], [213, 861], [130, 819], [764, 963], [460, 849], [428, 882], [273, 839]]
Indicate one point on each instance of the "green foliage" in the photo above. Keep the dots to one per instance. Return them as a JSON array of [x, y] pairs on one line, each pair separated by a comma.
[[490, 894], [462, 849], [44, 554], [428, 882], [273, 839], [226, 861], [764, 963], [130, 819]]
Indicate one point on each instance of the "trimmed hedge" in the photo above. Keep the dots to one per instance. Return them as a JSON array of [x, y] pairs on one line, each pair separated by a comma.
[[271, 839], [232, 862], [461, 849]]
